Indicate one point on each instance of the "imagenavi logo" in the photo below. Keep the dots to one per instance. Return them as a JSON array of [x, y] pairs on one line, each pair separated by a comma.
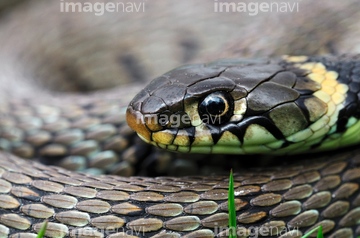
[[99, 8], [254, 8]]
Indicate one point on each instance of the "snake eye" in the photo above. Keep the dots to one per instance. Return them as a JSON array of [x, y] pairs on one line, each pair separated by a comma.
[[216, 108]]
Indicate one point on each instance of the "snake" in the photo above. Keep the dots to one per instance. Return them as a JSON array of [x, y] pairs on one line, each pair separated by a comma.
[[286, 125]]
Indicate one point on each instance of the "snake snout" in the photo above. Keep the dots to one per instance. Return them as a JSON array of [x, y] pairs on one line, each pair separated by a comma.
[[135, 120]]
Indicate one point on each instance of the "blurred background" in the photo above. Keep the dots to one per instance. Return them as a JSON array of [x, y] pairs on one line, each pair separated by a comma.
[[88, 51]]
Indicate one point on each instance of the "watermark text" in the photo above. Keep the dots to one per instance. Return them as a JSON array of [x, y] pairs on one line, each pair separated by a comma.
[[254, 8], [100, 8]]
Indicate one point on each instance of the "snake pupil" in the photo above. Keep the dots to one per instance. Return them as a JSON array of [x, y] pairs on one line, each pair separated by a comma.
[[215, 105], [216, 108]]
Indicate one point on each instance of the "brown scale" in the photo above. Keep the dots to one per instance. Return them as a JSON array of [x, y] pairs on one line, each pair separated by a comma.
[[198, 205]]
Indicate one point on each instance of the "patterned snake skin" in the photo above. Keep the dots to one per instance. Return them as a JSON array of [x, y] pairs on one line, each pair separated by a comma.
[[46, 56]]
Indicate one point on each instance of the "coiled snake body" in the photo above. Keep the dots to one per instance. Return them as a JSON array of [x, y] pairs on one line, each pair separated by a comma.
[[279, 105]]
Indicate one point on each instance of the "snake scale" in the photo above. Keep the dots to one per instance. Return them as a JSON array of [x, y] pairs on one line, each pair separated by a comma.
[[87, 131]]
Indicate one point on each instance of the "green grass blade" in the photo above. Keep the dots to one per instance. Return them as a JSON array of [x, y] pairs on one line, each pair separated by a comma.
[[42, 231], [319, 234], [231, 207]]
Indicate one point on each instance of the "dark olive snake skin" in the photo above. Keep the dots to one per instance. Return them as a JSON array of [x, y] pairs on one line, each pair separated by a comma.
[[88, 134]]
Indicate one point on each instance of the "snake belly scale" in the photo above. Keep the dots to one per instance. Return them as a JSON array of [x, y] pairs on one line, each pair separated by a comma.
[[280, 201]]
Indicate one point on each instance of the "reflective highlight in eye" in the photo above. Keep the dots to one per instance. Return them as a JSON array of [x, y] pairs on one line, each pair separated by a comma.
[[216, 108]]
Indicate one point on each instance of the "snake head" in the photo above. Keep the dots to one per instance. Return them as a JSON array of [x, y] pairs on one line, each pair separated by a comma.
[[240, 106]]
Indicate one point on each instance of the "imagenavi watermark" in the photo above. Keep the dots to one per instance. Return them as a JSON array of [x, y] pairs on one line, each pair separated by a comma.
[[100, 8], [254, 8], [106, 231], [257, 231], [265, 230], [178, 120]]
